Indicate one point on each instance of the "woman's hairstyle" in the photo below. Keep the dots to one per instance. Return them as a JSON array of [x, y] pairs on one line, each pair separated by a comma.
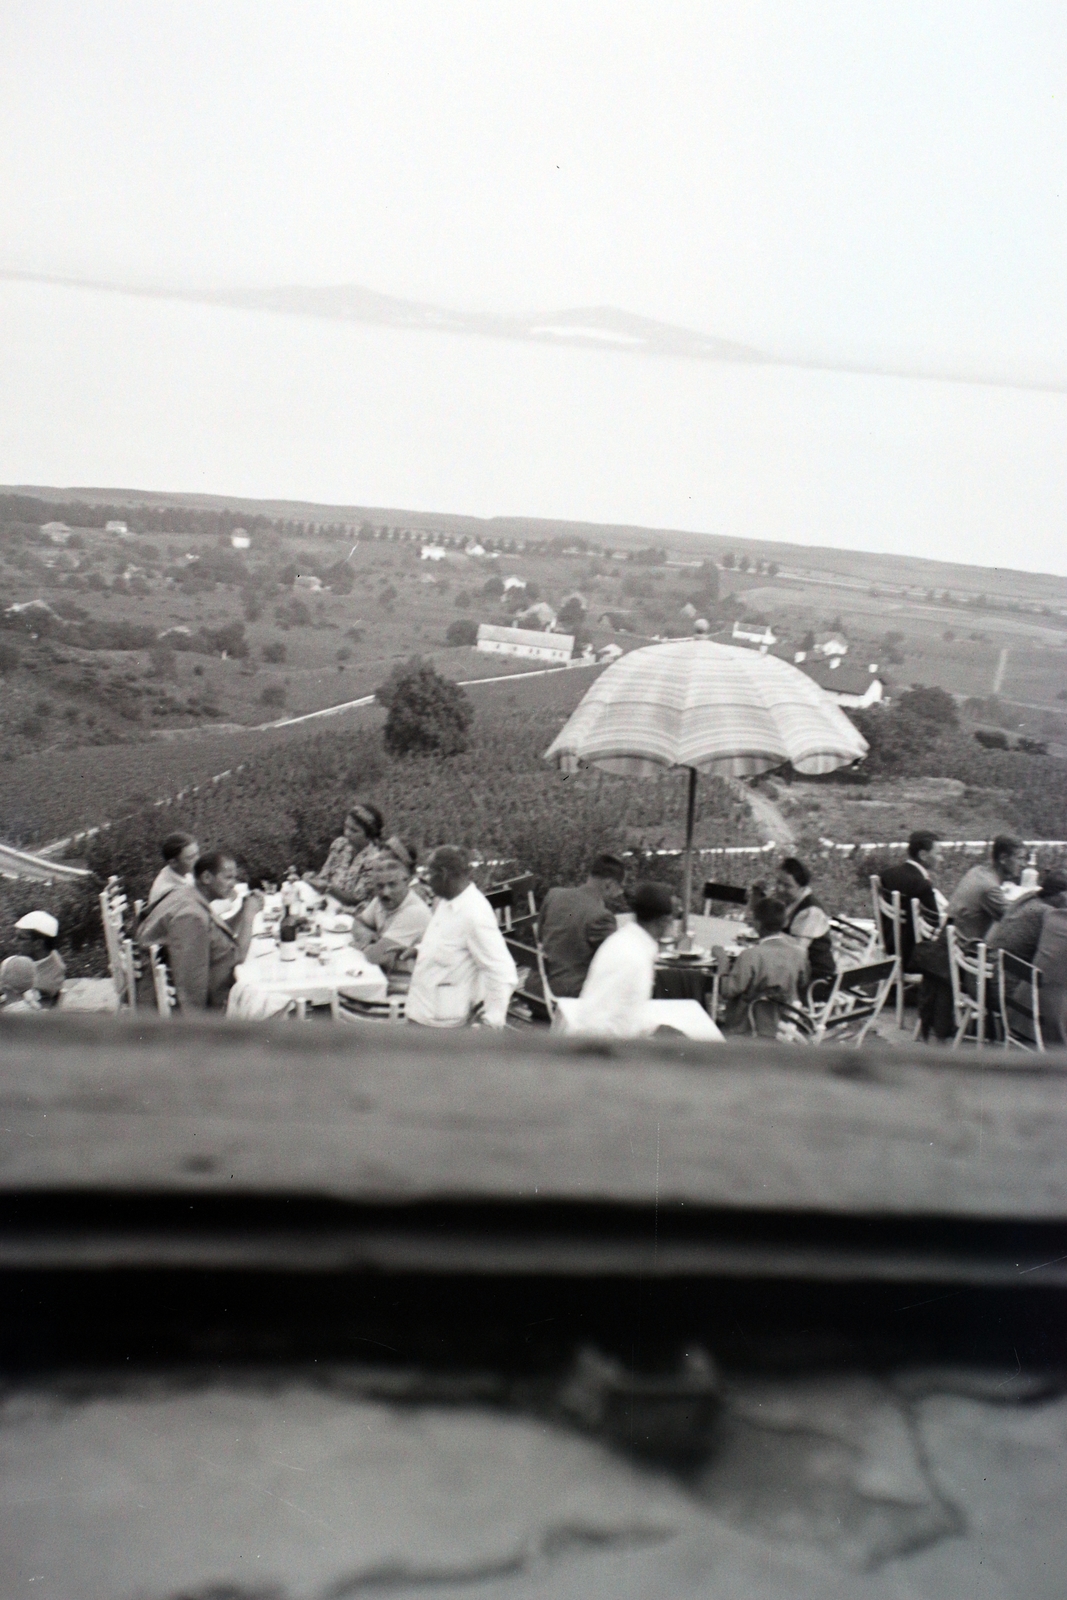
[[368, 817], [174, 844], [797, 871], [402, 850], [17, 975]]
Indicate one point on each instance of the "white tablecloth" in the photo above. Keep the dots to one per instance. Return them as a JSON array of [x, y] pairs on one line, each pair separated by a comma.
[[686, 1016], [265, 985]]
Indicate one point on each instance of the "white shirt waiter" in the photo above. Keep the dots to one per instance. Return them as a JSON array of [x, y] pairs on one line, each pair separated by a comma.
[[464, 971]]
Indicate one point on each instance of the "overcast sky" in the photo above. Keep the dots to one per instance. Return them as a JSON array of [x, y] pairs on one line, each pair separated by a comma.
[[855, 182]]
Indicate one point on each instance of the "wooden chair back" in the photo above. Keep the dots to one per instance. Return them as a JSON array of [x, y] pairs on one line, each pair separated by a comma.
[[725, 893], [853, 944], [924, 924], [166, 998], [855, 1001], [120, 953], [1018, 1002], [970, 969]]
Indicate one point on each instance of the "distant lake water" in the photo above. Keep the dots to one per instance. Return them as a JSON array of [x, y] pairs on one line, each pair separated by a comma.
[[106, 389]]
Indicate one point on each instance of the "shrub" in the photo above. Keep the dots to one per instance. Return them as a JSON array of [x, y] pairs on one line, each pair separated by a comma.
[[462, 631], [426, 711], [272, 694], [274, 652], [9, 657], [493, 586]]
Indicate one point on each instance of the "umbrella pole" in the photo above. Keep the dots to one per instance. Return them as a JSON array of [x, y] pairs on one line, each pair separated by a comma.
[[687, 873]]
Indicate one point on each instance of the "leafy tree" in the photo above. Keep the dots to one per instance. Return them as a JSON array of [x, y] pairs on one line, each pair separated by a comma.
[[743, 563], [426, 712], [272, 694], [463, 631], [462, 600], [9, 657], [572, 615], [493, 586], [773, 569], [274, 652], [929, 705], [808, 641]]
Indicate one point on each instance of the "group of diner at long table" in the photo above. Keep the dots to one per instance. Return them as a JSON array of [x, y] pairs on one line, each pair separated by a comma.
[[374, 934]]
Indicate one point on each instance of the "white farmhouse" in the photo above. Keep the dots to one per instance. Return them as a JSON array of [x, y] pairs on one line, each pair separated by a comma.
[[514, 582], [239, 539], [433, 552], [116, 527], [308, 582], [58, 532], [754, 635], [556, 648]]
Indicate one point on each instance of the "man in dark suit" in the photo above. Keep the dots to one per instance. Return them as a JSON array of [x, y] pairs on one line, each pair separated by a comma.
[[912, 880], [576, 921]]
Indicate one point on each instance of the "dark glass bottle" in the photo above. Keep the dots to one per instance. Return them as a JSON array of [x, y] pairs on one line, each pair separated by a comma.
[[287, 933]]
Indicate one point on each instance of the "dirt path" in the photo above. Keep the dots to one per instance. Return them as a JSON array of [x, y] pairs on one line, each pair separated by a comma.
[[773, 827], [998, 676]]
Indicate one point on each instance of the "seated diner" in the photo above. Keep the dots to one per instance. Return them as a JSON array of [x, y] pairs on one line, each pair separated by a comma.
[[17, 992], [390, 927], [201, 950], [180, 851], [805, 919], [575, 921], [348, 871], [38, 933], [764, 977], [622, 972]]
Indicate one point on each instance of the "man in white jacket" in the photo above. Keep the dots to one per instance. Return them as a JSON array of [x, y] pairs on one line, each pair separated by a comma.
[[623, 971], [464, 972]]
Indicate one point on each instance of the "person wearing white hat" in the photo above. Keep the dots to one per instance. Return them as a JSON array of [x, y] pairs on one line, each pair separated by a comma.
[[38, 933]]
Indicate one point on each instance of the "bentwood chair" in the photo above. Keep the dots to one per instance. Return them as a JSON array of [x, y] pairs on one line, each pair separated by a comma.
[[121, 959], [889, 910], [166, 998], [974, 978], [1018, 1002]]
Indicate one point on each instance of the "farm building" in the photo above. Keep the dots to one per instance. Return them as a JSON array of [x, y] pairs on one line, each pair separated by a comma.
[[239, 539], [753, 635], [553, 647], [539, 615], [116, 527], [514, 582], [432, 552], [620, 621], [849, 685], [58, 532], [609, 652], [308, 581], [831, 644]]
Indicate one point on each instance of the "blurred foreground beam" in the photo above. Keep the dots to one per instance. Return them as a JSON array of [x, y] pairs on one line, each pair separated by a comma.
[[315, 1148]]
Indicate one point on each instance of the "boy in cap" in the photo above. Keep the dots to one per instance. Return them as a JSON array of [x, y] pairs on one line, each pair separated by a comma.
[[16, 985], [38, 933]]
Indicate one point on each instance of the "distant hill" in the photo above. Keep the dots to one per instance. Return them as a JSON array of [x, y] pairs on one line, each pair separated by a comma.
[[858, 566]]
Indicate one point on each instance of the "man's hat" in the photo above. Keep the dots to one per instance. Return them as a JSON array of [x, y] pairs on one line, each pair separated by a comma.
[[39, 922]]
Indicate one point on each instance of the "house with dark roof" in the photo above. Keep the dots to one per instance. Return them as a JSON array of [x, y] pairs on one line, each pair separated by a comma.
[[848, 684]]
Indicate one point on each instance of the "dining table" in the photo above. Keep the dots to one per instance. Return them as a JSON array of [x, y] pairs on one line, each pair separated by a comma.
[[691, 975], [326, 965]]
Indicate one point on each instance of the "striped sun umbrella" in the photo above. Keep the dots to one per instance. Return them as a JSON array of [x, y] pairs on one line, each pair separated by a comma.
[[709, 708]]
